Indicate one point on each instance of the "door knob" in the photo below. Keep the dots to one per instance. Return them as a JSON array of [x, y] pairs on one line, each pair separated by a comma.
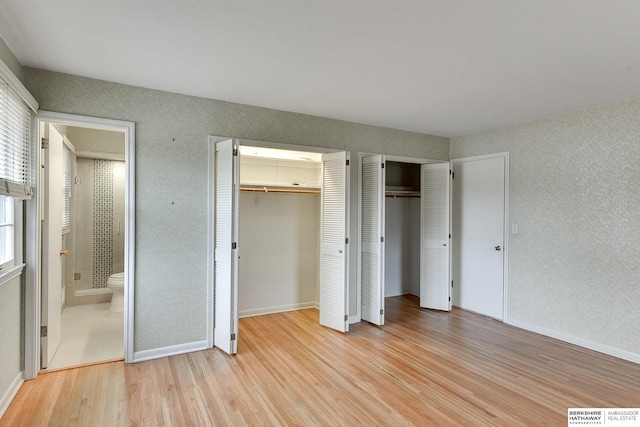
[[65, 252], [498, 248]]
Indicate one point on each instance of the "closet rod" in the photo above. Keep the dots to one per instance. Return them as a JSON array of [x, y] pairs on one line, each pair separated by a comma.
[[280, 190], [402, 196]]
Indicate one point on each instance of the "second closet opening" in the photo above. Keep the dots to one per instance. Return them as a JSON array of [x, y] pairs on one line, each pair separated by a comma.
[[280, 230], [402, 229]]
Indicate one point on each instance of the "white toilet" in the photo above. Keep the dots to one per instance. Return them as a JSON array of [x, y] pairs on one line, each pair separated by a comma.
[[116, 284]]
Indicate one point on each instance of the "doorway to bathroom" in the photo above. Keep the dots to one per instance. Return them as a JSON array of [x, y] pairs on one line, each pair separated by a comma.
[[86, 206]]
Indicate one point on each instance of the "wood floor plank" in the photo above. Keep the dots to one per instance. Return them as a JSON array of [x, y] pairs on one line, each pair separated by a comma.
[[422, 368]]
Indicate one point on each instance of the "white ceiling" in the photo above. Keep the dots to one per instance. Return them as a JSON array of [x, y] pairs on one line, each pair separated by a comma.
[[442, 67]]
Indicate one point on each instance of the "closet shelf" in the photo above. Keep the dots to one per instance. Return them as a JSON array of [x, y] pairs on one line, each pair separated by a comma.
[[270, 189], [395, 194], [401, 191]]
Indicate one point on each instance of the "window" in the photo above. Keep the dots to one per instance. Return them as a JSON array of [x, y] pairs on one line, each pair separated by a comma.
[[7, 230], [15, 172]]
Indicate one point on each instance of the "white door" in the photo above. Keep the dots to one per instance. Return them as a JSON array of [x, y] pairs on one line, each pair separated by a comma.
[[52, 247], [479, 214], [334, 232], [372, 240], [226, 188], [434, 231]]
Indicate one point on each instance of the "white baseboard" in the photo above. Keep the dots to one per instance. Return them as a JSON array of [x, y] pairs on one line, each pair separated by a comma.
[[602, 348], [354, 319], [404, 292], [277, 309], [11, 392], [172, 350]]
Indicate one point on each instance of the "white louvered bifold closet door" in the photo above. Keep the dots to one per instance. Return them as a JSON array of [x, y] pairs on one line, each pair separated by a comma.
[[434, 231], [51, 316], [68, 160], [372, 240], [225, 235], [334, 307]]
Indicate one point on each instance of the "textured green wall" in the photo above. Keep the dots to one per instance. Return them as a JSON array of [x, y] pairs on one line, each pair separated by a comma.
[[171, 182], [10, 60], [575, 195], [10, 333]]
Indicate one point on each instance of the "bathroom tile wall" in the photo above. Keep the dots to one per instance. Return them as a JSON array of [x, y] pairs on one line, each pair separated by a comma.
[[82, 228], [102, 223]]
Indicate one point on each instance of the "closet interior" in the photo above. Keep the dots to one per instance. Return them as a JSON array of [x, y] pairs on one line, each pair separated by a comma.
[[279, 242], [402, 229]]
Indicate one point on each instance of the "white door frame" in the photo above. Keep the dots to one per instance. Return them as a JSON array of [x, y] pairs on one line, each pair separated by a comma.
[[387, 158], [33, 235], [505, 275]]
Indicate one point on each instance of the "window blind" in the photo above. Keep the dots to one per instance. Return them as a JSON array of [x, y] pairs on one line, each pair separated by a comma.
[[15, 158], [67, 163]]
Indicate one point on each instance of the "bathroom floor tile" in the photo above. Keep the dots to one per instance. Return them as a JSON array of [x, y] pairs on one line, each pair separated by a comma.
[[90, 333]]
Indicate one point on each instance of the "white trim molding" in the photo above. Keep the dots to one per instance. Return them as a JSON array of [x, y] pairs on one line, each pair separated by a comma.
[[118, 157], [11, 392], [591, 345], [172, 350], [277, 309], [210, 240]]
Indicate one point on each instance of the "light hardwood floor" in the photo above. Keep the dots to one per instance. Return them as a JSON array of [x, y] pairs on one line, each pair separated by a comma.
[[422, 368]]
